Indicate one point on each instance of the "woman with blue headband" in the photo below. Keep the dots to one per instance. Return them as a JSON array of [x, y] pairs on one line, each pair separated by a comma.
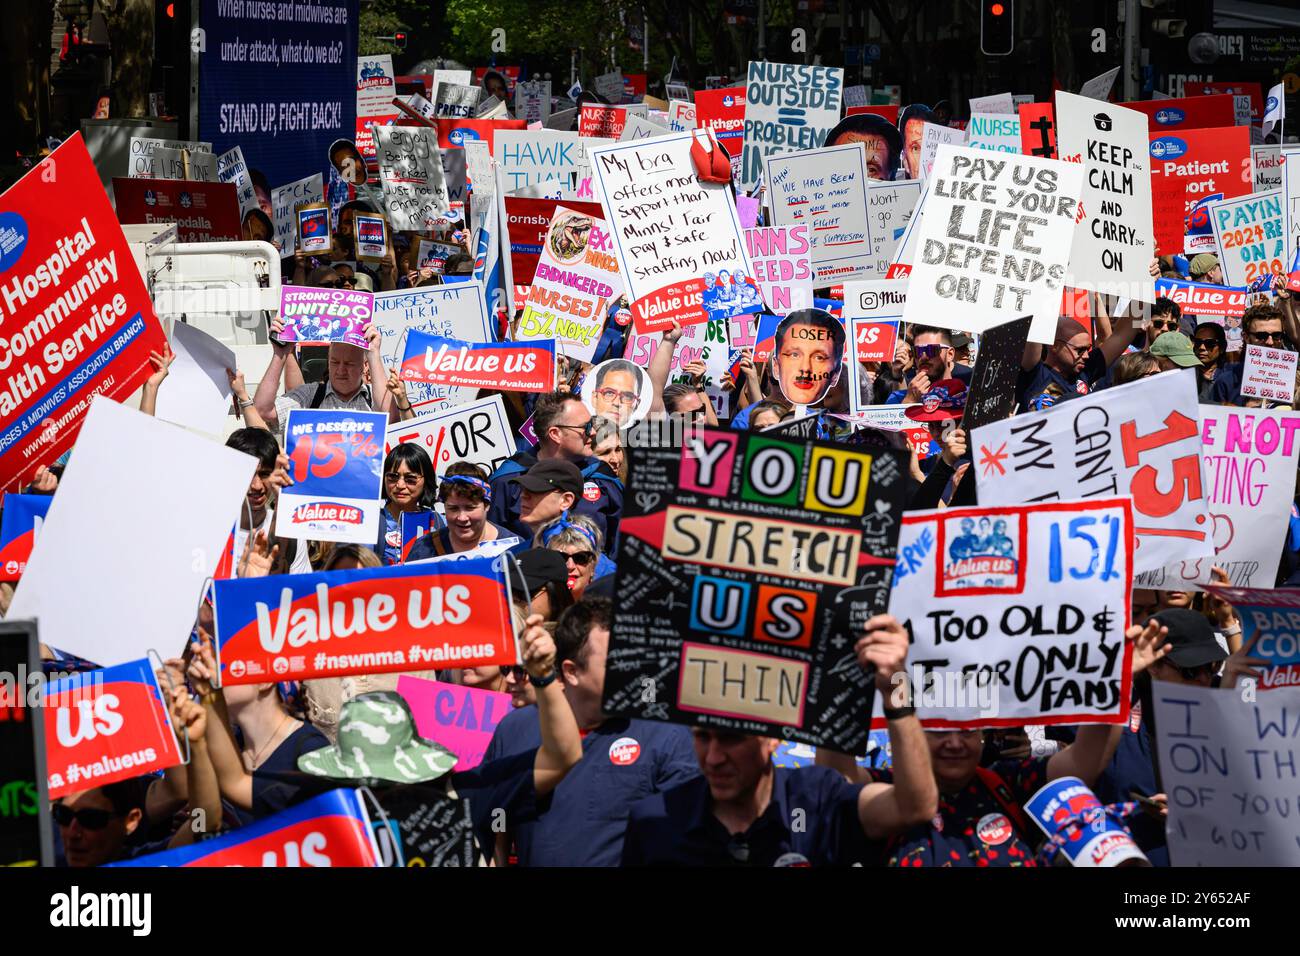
[[580, 541], [466, 496]]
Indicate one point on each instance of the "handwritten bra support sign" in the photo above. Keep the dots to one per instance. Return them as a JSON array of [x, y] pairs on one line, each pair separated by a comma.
[[675, 236]]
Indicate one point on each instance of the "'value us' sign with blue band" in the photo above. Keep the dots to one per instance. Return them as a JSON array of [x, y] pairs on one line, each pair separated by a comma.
[[330, 830], [367, 621], [106, 725]]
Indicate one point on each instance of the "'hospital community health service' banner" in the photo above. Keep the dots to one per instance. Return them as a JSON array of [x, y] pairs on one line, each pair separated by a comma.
[[106, 725], [406, 617], [279, 83], [1019, 613], [332, 829], [336, 460], [75, 316], [758, 557]]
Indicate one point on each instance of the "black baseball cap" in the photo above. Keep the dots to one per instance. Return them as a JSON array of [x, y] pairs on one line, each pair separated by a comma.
[[553, 474], [540, 567], [1194, 644]]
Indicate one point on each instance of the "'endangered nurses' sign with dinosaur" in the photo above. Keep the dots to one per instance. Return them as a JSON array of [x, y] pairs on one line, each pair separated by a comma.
[[678, 240], [1142, 439], [994, 242], [747, 566], [1017, 614], [405, 617]]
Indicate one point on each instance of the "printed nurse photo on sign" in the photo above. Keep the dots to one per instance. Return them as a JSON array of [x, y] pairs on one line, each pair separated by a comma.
[[728, 294], [619, 391], [808, 355]]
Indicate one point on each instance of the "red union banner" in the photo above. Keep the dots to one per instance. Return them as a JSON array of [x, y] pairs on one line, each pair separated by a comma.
[[75, 316], [203, 212], [106, 725], [1193, 112], [1202, 298]]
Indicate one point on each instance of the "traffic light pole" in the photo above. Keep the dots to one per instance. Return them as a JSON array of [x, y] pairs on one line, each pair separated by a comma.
[[1132, 48]]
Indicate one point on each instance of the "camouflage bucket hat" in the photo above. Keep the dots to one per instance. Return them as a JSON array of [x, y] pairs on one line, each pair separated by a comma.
[[377, 741]]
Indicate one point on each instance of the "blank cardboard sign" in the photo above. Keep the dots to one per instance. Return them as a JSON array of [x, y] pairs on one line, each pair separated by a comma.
[[136, 528]]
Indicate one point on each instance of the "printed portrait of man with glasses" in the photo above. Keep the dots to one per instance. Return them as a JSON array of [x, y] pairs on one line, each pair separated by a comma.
[[616, 392]]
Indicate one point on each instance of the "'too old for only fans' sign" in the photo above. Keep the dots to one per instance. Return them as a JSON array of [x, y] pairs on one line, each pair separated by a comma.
[[994, 241], [747, 566], [1019, 613]]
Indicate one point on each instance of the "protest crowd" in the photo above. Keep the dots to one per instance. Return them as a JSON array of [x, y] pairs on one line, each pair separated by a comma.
[[622, 480]]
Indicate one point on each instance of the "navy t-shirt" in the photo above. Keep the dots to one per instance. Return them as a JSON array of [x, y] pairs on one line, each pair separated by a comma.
[[811, 820], [583, 821], [283, 759], [1132, 769], [1227, 385], [973, 827], [1043, 379]]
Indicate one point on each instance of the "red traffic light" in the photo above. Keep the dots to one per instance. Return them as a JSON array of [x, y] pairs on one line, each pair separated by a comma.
[[997, 9]]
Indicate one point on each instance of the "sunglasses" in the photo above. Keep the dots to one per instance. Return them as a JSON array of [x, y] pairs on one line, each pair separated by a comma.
[[1204, 344], [1194, 673], [617, 395], [331, 285], [1076, 349], [1164, 324], [1266, 336], [516, 671], [585, 429], [406, 478], [89, 818], [929, 351], [581, 558]]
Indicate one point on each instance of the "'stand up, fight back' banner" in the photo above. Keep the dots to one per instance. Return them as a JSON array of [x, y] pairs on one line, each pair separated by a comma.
[[106, 725], [75, 316], [513, 366], [332, 829], [368, 621], [756, 558], [282, 87]]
